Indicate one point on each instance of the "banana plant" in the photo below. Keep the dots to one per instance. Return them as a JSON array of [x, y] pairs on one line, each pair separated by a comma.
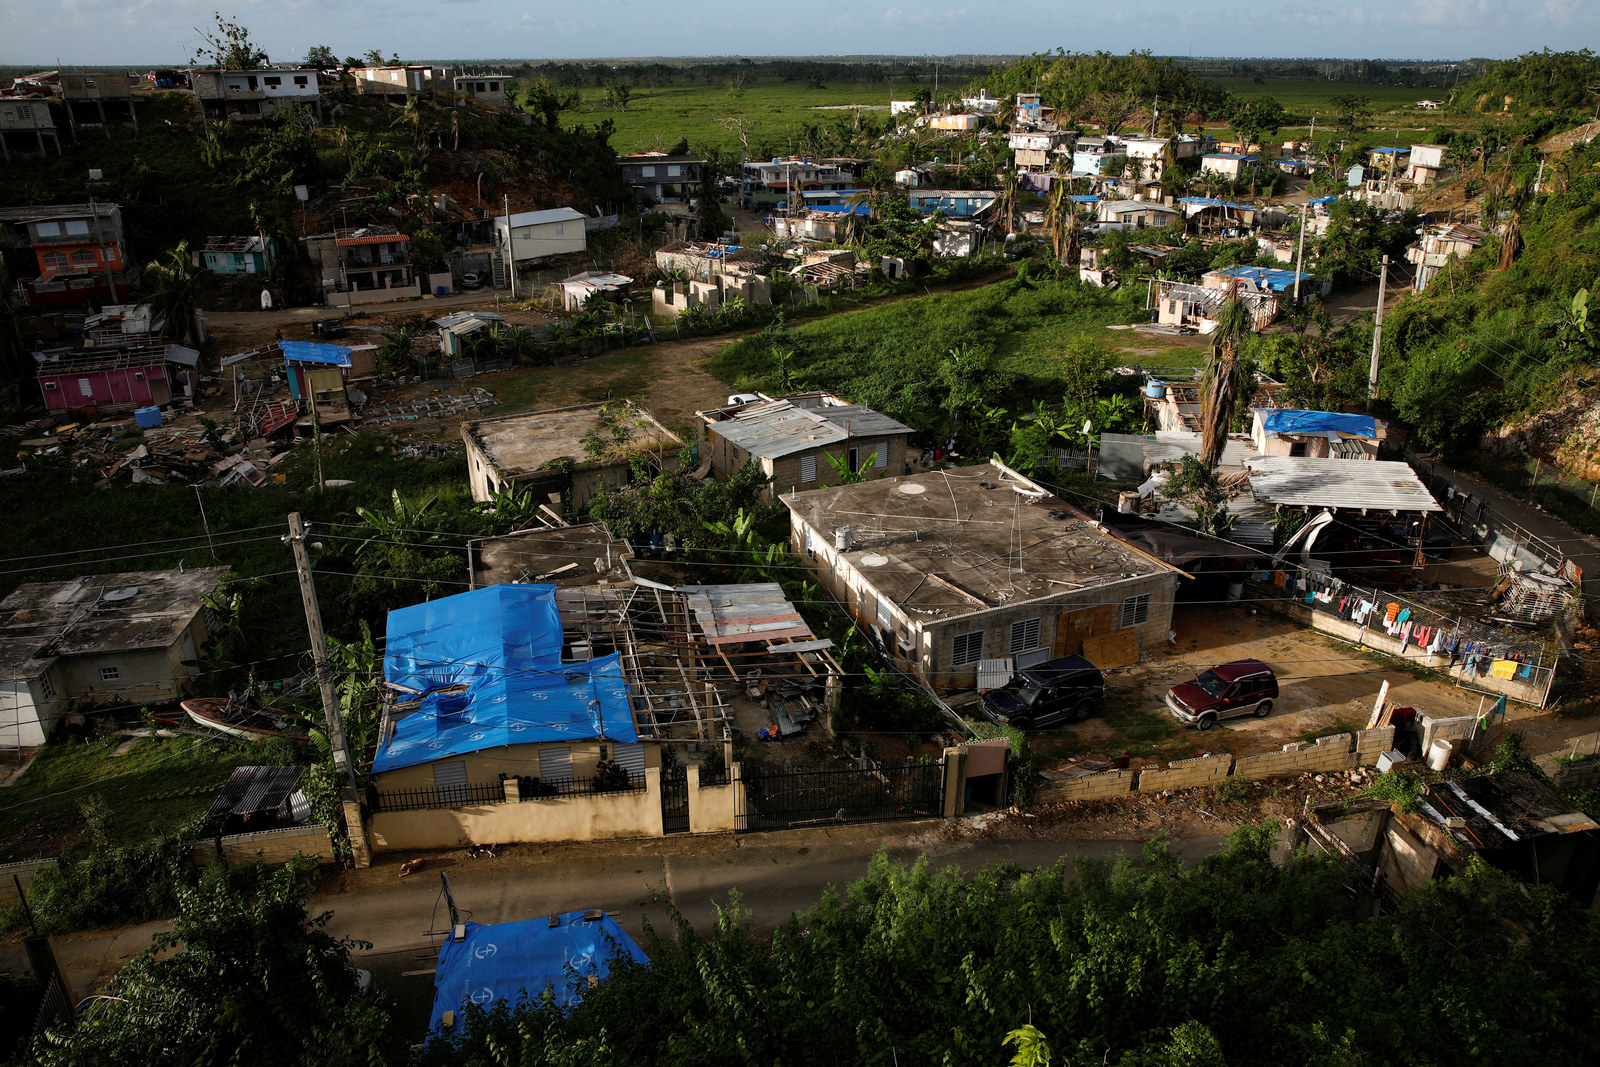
[[400, 523]]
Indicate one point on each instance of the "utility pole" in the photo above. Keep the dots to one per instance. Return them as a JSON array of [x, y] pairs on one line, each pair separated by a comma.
[[100, 249], [296, 540], [1305, 216], [511, 245], [1377, 335]]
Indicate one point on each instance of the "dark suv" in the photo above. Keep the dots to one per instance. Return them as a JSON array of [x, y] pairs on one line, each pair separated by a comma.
[[1069, 689], [1243, 687]]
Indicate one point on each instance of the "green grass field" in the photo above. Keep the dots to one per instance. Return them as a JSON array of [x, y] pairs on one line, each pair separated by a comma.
[[657, 118]]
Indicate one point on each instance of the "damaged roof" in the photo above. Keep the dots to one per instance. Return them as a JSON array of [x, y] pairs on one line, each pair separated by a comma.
[[943, 544], [776, 428], [522, 444], [132, 610], [1381, 485], [1500, 810]]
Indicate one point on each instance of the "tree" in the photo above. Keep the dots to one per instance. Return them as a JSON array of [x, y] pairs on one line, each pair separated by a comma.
[[173, 293], [1195, 486], [321, 57], [548, 102], [1351, 112], [1255, 118], [228, 45], [1222, 385], [617, 96], [254, 980]]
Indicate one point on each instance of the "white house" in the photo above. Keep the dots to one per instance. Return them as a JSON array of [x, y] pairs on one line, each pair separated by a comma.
[[1136, 214], [530, 235], [1426, 163], [1228, 165], [484, 88]]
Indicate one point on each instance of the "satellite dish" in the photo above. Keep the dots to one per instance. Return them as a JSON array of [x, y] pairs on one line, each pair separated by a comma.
[[128, 592]]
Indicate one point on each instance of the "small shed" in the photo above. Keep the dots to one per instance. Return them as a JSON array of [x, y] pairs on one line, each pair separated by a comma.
[[316, 371], [259, 798]]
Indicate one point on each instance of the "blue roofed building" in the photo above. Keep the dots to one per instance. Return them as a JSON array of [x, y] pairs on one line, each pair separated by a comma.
[[955, 203], [1316, 434], [565, 955], [1268, 279]]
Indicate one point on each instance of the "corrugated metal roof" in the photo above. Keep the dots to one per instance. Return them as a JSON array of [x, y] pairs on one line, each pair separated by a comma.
[[313, 352], [252, 789], [540, 218], [1339, 483], [780, 428]]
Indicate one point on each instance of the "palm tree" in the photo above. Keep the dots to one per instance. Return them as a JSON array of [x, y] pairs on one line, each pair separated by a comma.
[[395, 349], [1223, 383], [174, 282]]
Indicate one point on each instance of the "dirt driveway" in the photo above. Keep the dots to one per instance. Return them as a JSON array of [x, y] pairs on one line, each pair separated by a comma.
[[1326, 687]]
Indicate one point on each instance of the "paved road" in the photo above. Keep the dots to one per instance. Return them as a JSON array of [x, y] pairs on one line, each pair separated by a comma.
[[776, 874]]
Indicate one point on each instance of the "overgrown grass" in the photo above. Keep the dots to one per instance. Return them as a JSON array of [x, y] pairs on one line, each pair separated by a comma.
[[657, 118], [888, 356], [156, 786]]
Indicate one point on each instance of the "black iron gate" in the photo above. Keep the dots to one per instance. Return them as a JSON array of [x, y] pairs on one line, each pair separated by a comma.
[[675, 799], [777, 799]]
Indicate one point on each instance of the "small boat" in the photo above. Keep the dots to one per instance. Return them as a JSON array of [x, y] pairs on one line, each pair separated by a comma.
[[241, 718]]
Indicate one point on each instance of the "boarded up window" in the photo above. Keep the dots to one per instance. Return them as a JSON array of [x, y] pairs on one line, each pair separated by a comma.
[[555, 764], [1135, 611], [968, 648], [1025, 635], [450, 781]]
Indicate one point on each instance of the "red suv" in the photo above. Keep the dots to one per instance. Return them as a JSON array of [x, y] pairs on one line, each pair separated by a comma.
[[1243, 687]]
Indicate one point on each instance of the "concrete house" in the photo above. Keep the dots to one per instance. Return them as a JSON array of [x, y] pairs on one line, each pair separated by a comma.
[[1136, 214], [1146, 156], [796, 439], [1436, 245], [1036, 151], [397, 84], [544, 451], [954, 568], [1316, 434], [78, 249], [484, 88], [955, 203], [253, 95], [658, 176], [109, 637], [98, 98], [1229, 165], [26, 125], [238, 255], [1426, 163], [526, 236]]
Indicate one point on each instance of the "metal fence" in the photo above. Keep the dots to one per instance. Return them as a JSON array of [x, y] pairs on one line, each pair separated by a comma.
[[776, 799], [1479, 519], [531, 788], [449, 797]]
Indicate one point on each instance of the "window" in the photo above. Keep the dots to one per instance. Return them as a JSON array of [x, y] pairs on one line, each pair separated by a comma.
[[1025, 635], [109, 253], [85, 387], [674, 171], [47, 229], [1136, 610], [450, 780], [273, 82], [808, 469], [494, 87], [880, 458], [25, 112], [47, 688], [54, 261], [855, 460], [300, 80], [648, 172], [110, 674], [561, 228], [968, 648], [885, 616], [77, 228], [84, 256], [50, 385], [555, 764], [810, 542]]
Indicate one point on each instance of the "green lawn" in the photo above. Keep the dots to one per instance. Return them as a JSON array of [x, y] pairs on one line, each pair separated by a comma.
[[657, 118], [154, 787]]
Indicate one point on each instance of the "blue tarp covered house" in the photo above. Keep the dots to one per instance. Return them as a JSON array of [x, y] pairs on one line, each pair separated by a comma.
[[1315, 434], [503, 961]]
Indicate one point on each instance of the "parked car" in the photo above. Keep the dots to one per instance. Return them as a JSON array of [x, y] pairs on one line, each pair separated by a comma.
[[472, 280], [1228, 691], [328, 328], [1069, 689]]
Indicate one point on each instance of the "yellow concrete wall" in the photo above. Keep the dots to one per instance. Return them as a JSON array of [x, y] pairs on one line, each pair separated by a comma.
[[1088, 787], [1331, 753], [1185, 774], [714, 808], [584, 817], [485, 768]]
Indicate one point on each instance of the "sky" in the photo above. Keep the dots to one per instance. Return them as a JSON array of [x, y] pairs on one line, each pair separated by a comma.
[[162, 32]]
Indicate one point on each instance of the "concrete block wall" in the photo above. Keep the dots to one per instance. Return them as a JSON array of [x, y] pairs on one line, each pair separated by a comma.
[[1088, 787], [274, 846], [1186, 773], [1332, 753]]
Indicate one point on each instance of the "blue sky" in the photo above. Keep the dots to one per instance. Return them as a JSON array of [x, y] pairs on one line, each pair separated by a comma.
[[78, 32]]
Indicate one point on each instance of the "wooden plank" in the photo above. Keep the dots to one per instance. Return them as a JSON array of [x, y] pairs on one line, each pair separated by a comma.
[[1119, 648], [802, 646], [734, 639]]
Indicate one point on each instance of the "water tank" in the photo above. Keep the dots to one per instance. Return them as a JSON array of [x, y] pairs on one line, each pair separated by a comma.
[[843, 538], [1439, 755], [148, 418], [1155, 390]]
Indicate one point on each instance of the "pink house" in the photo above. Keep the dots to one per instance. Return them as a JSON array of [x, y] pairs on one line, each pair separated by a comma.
[[86, 382]]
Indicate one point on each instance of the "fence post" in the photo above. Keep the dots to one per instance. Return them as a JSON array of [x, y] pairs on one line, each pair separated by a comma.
[[955, 780]]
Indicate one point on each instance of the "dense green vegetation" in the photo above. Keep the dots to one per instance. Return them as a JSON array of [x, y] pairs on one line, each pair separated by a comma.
[[1233, 960], [1562, 80]]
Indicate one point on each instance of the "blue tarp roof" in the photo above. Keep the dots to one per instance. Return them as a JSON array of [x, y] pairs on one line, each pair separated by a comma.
[[500, 961], [314, 352], [843, 209], [1391, 151], [1206, 201], [1287, 420], [1323, 200], [1083, 198], [1231, 155], [504, 644], [1266, 277]]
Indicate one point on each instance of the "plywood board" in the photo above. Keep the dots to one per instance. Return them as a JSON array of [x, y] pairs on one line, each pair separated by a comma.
[[1074, 627], [1119, 648]]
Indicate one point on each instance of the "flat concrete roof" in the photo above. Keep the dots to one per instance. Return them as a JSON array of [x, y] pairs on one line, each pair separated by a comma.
[[42, 621], [565, 556], [943, 544], [522, 444]]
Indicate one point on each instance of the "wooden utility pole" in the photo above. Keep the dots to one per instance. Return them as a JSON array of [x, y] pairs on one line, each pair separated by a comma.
[[1305, 217], [296, 540], [1377, 335], [511, 258]]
